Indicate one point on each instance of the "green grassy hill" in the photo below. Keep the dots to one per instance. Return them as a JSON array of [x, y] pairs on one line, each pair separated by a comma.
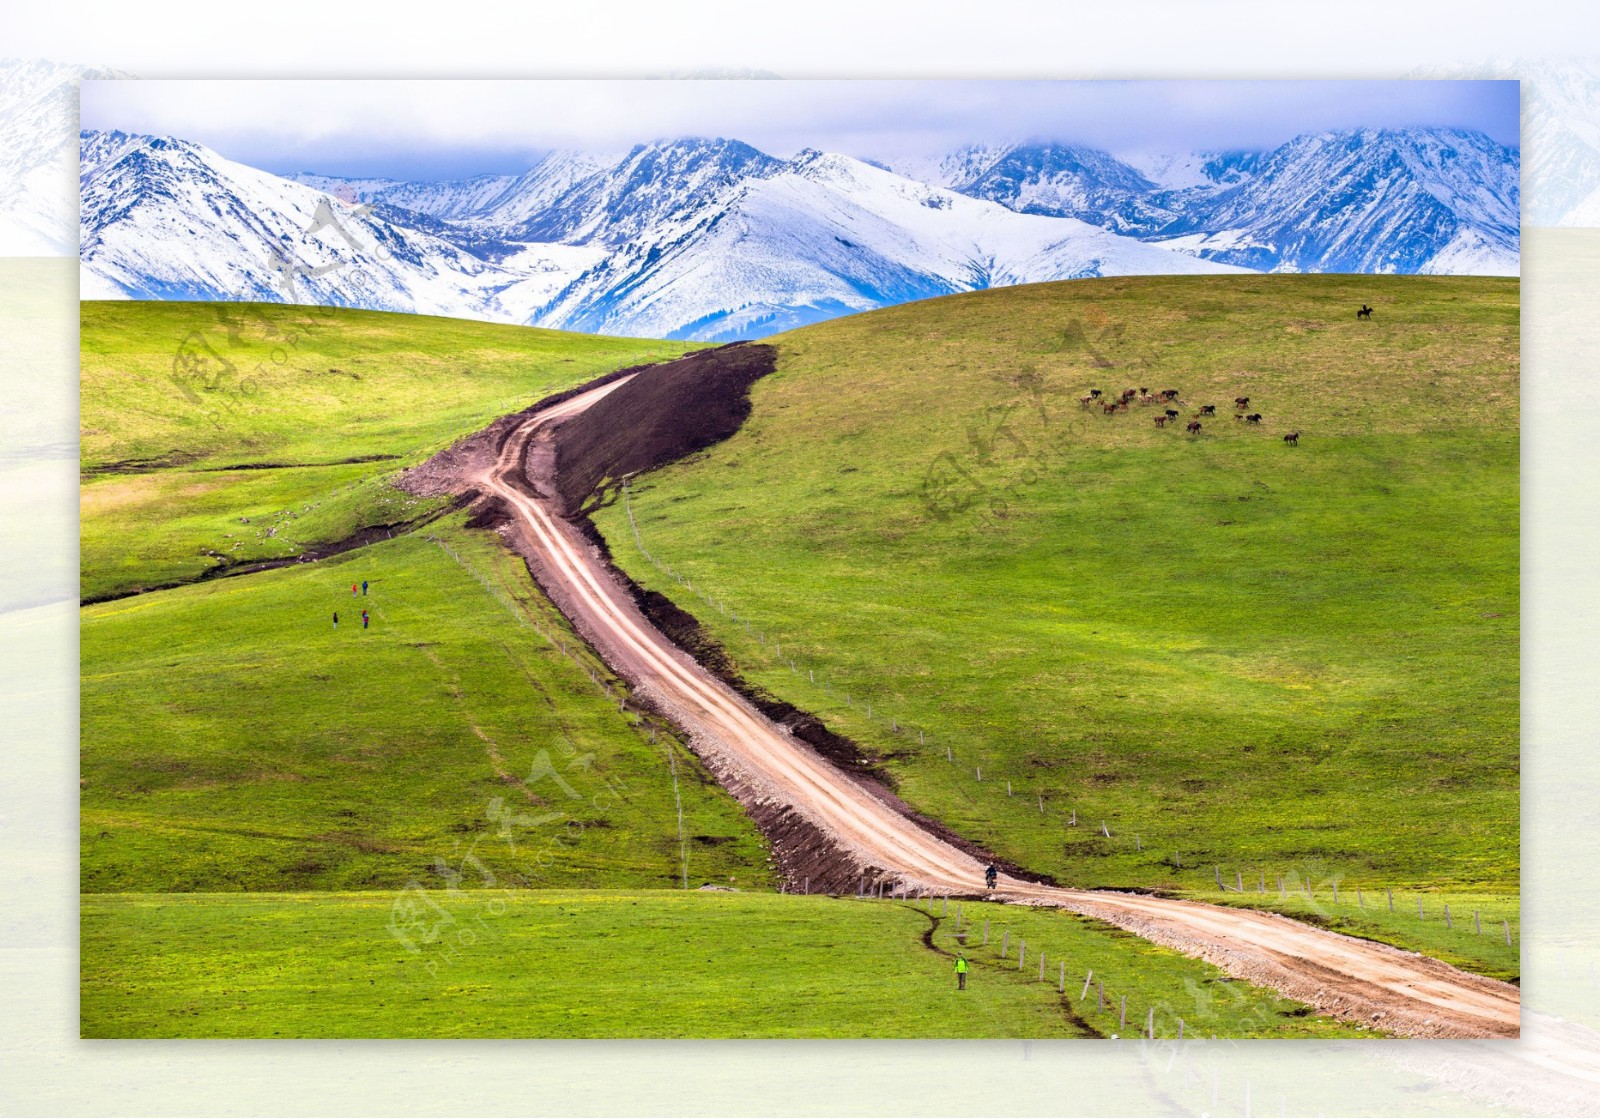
[[260, 790], [1233, 652], [177, 396], [233, 739], [562, 963]]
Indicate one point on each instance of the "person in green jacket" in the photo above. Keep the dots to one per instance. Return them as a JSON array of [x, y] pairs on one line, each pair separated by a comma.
[[961, 972]]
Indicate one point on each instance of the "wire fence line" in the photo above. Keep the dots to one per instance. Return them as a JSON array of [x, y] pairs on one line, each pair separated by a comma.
[[1041, 805], [570, 646], [1105, 1000]]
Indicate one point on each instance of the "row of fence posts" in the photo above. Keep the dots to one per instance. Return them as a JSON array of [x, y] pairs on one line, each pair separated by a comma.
[[1304, 885], [880, 888]]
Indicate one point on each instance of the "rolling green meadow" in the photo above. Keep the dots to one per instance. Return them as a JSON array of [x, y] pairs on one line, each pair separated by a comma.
[[563, 963], [184, 403], [1221, 654], [1236, 656]]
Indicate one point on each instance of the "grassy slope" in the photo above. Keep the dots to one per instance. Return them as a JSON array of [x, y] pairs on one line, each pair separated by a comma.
[[234, 740], [309, 387], [1269, 658], [641, 964]]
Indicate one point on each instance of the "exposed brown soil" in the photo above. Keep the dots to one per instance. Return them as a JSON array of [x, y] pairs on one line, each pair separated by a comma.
[[167, 461], [664, 413], [225, 569], [358, 460]]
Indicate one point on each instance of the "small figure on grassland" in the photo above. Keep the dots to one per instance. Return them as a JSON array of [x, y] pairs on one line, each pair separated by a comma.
[[364, 619], [990, 876], [961, 972], [363, 587], [336, 619], [354, 590]]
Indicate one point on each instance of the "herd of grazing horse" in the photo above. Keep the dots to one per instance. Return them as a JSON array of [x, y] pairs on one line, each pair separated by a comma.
[[1171, 415], [1170, 396]]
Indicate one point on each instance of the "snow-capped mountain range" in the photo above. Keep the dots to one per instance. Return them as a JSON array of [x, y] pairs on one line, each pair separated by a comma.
[[712, 239]]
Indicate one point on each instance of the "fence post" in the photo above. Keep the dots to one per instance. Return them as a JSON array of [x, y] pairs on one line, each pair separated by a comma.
[[1180, 1029], [1507, 924], [1022, 953], [1283, 895], [1008, 789], [1137, 846], [1477, 924], [1041, 805], [1217, 870], [1238, 877], [1447, 923], [1100, 996], [1336, 892], [1390, 892], [1087, 976], [948, 756], [1041, 967], [979, 770], [808, 884], [1419, 909], [1150, 1024], [1122, 1019], [1105, 831]]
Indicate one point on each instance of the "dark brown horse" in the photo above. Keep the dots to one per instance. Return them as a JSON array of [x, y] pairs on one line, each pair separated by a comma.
[[1293, 439], [1193, 428]]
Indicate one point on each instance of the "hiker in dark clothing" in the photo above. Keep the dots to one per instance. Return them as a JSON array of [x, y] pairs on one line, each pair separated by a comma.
[[336, 619], [961, 972], [363, 619], [363, 588], [990, 874]]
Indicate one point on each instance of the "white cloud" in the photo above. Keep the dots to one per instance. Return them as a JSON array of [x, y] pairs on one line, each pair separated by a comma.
[[462, 127]]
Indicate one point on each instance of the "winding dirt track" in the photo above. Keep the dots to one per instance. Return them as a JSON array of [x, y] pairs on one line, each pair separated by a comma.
[[1373, 984]]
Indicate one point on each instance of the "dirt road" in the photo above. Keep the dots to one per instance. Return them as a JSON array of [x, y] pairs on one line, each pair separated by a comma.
[[760, 762]]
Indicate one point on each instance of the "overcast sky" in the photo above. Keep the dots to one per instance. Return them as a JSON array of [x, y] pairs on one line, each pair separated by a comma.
[[449, 129]]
